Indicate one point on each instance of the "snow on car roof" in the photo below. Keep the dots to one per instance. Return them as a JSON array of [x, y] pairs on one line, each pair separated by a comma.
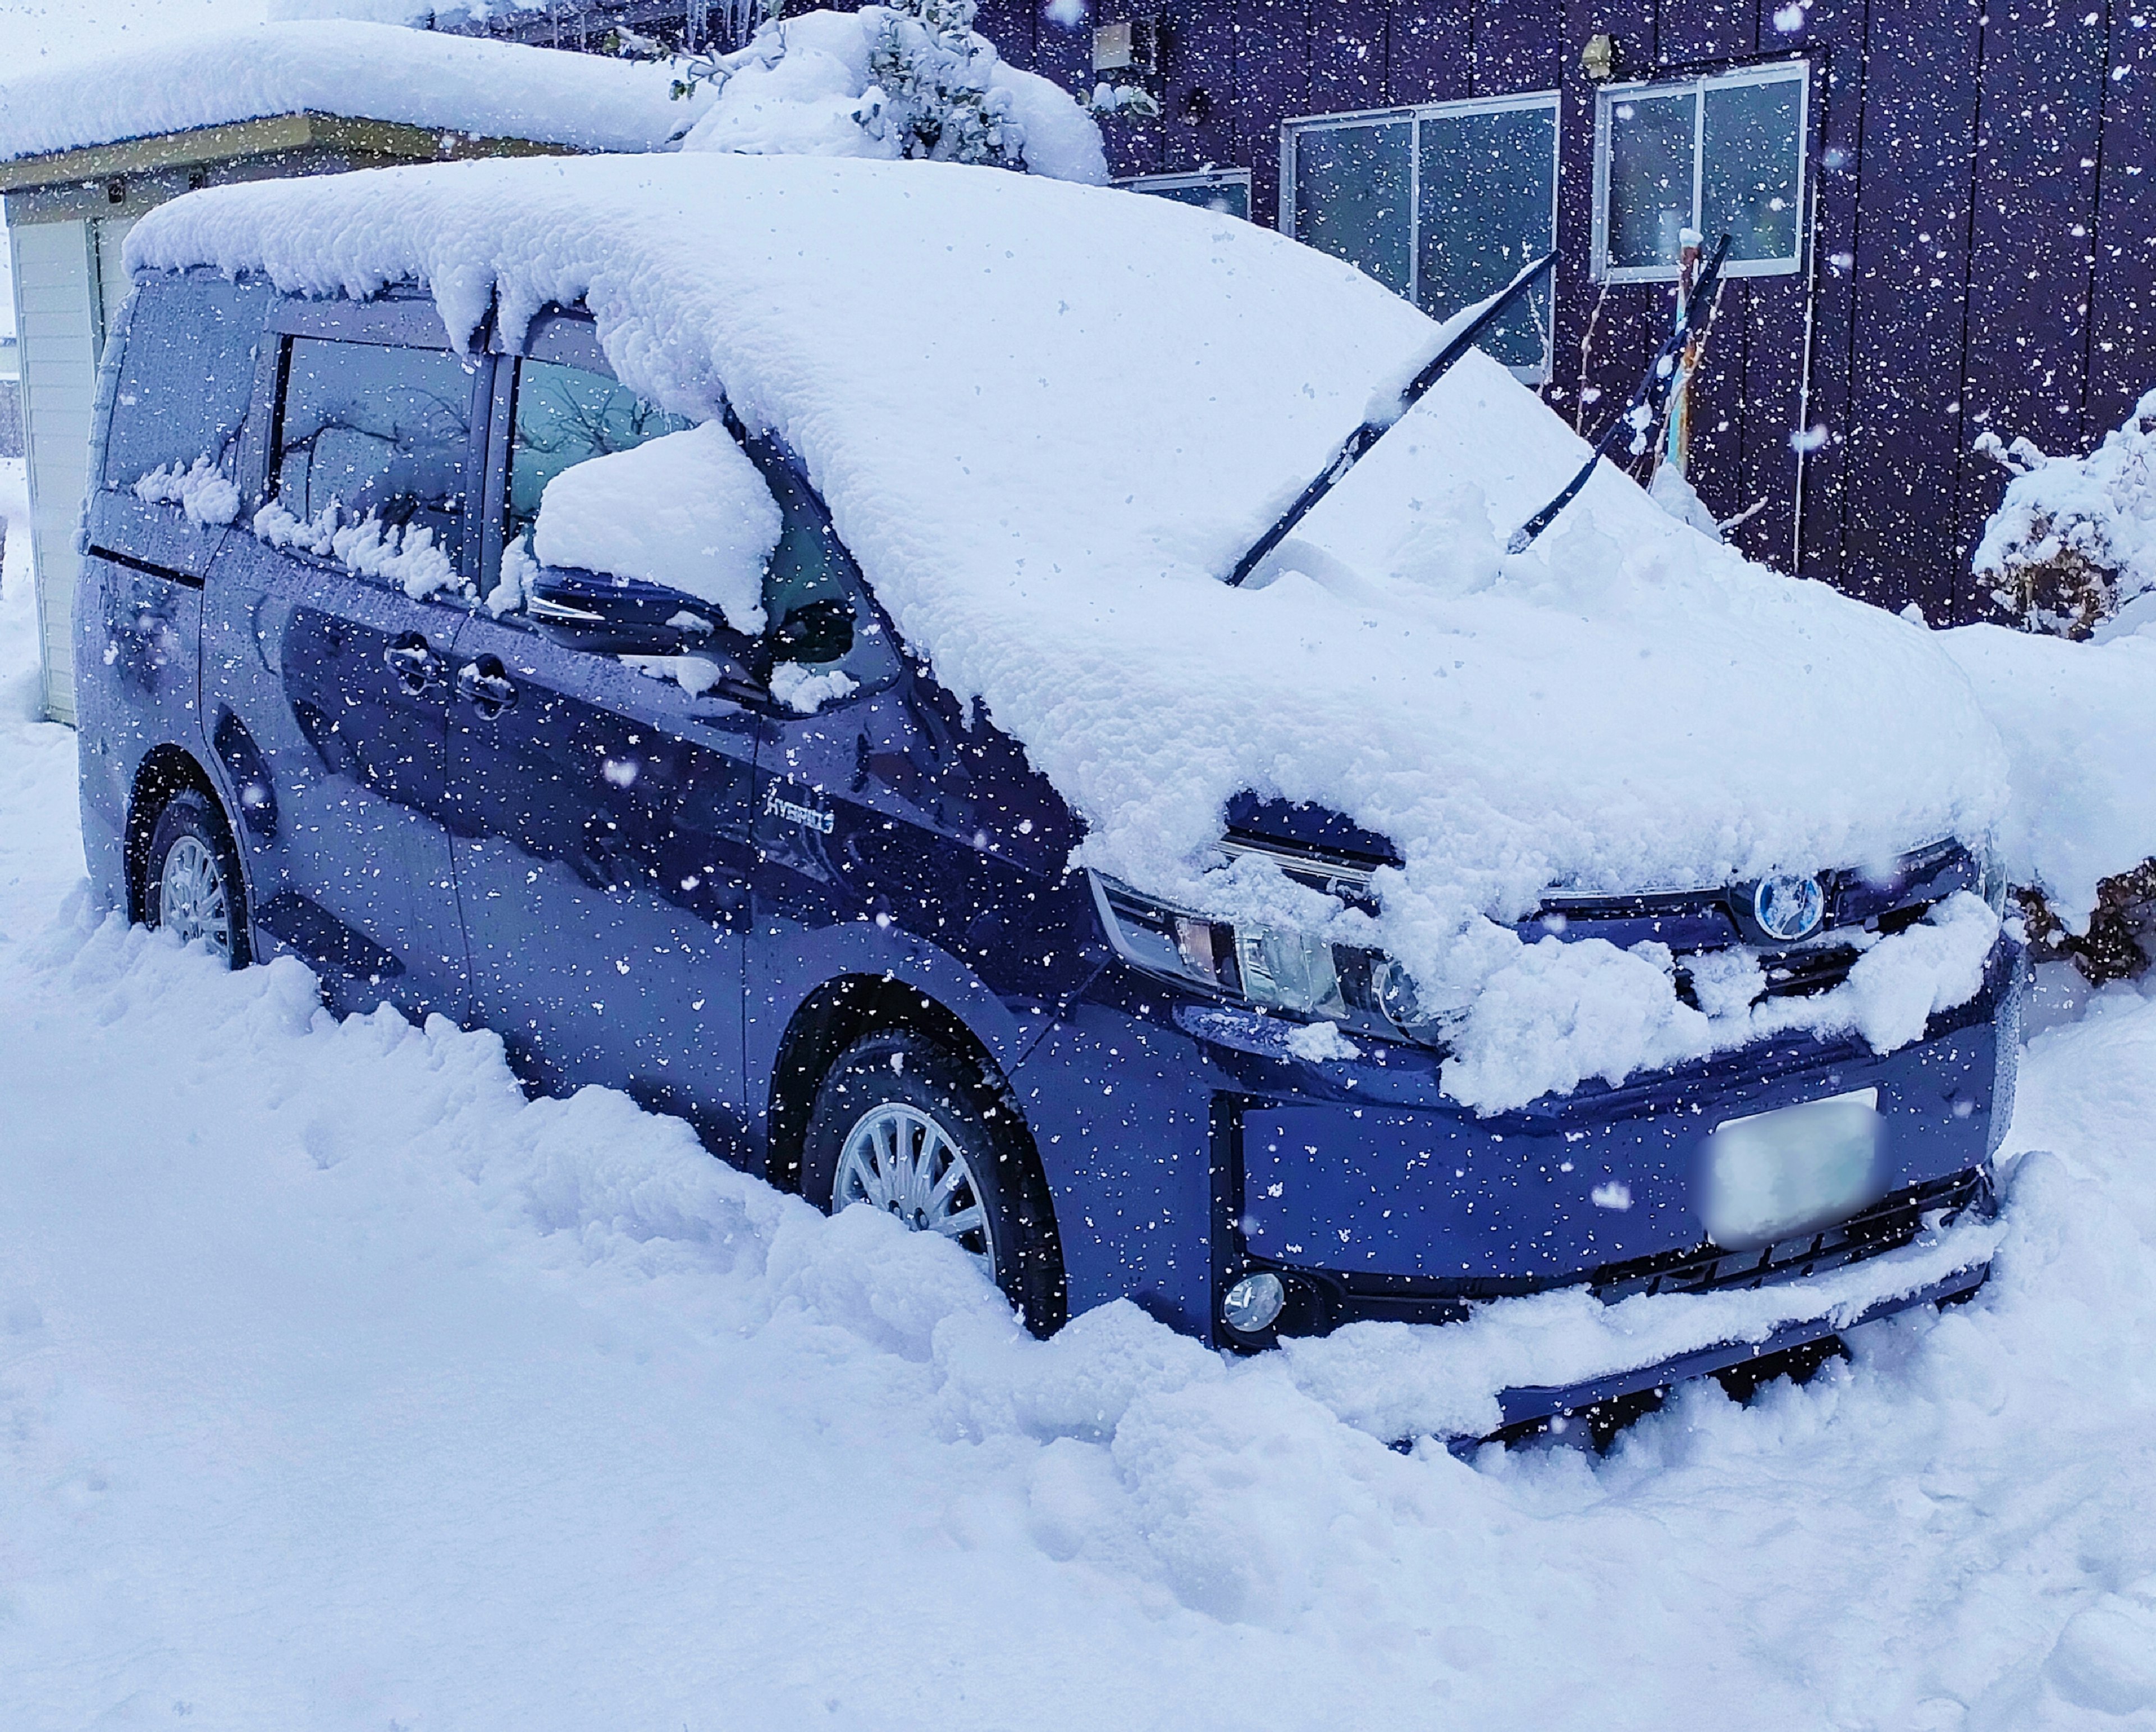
[[1047, 417], [358, 71]]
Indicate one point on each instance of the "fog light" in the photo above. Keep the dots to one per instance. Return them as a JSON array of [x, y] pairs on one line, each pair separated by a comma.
[[1253, 1303]]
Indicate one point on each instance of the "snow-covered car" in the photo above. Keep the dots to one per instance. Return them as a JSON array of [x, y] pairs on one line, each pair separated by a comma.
[[752, 630]]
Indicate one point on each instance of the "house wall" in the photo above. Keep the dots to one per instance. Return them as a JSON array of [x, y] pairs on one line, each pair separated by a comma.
[[59, 322], [1983, 246]]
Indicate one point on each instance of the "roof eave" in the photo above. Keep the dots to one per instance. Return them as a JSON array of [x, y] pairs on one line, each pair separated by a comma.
[[307, 130]]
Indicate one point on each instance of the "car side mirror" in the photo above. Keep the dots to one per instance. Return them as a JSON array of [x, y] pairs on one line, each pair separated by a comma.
[[624, 616]]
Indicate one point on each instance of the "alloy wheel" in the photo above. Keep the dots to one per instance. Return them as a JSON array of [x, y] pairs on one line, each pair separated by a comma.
[[898, 1158], [193, 904]]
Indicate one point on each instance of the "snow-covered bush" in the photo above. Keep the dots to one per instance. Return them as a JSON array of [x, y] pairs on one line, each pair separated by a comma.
[[2074, 541], [2071, 552], [913, 80]]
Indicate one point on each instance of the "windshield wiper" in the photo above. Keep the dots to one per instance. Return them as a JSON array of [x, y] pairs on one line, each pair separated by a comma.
[[1645, 407], [1353, 447]]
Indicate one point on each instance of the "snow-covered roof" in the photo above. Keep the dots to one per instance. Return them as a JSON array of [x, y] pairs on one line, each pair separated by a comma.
[[359, 71], [1047, 417]]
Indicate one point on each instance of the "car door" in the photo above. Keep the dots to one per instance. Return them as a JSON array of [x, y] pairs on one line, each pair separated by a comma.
[[328, 620], [600, 808]]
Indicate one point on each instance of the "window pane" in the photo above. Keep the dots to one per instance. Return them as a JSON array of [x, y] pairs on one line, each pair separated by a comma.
[[373, 428], [187, 377], [1351, 196], [1488, 207], [813, 595], [1650, 173], [1749, 189], [565, 415], [1231, 198]]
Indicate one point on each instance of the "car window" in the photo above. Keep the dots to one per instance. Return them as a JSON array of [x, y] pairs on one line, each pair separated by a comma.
[[372, 430], [566, 416], [821, 620], [186, 379]]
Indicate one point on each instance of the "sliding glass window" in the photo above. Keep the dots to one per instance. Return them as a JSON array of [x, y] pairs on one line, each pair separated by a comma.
[[1442, 204], [1723, 155]]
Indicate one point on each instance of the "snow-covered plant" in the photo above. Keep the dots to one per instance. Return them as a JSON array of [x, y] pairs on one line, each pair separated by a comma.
[[1108, 101], [932, 68], [2074, 541]]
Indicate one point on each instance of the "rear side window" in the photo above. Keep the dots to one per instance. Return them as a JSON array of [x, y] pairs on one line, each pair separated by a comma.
[[370, 431], [186, 379]]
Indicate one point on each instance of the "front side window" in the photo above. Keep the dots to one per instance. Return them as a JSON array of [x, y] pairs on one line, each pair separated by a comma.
[[566, 416], [1441, 204], [1718, 155], [372, 435]]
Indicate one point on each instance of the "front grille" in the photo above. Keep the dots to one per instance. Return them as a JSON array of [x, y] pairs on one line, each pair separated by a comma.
[[1789, 974], [1886, 1226]]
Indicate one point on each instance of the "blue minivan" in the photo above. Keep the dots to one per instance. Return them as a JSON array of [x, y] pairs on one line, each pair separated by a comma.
[[840, 934]]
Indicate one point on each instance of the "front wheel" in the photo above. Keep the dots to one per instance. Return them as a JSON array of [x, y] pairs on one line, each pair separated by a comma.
[[193, 889], [902, 1126]]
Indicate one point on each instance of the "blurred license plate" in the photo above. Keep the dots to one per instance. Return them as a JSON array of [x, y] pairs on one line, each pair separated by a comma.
[[1773, 1175]]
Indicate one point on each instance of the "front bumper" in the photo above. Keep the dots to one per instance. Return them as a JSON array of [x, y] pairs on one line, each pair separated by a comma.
[[1527, 1409], [1376, 1211]]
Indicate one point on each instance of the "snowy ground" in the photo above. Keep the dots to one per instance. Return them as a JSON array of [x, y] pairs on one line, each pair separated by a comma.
[[339, 1386]]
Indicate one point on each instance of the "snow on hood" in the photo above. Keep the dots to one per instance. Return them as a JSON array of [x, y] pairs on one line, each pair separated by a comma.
[[1047, 417], [802, 88], [365, 71]]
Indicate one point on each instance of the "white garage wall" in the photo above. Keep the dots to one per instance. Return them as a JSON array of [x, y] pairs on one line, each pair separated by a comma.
[[67, 283]]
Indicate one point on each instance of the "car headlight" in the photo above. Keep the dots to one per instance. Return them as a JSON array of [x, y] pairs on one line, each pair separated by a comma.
[[1275, 966]]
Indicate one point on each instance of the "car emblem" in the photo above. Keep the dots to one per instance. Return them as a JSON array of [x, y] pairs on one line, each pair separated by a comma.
[[1787, 907]]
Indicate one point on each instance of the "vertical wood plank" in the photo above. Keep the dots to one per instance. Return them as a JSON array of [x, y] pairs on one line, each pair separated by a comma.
[[1430, 52], [1911, 294], [1603, 338], [1519, 45], [2123, 297], [1837, 30], [1687, 31], [1272, 83], [2031, 256], [1346, 55], [1009, 24], [1199, 85]]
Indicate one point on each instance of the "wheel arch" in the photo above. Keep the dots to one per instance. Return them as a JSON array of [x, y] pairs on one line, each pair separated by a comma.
[[834, 1017], [164, 771]]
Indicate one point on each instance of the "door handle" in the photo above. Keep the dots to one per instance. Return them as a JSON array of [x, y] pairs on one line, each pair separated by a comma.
[[486, 685], [416, 665]]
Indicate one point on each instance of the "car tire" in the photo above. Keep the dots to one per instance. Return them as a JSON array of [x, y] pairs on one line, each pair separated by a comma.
[[894, 1115], [191, 883]]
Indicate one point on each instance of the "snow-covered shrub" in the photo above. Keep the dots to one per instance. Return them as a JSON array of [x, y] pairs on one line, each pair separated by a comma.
[[2071, 549], [910, 80], [928, 62], [2074, 541]]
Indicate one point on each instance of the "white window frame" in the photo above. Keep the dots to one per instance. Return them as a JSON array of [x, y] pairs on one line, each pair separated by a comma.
[[1782, 72], [1204, 179], [1296, 127]]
